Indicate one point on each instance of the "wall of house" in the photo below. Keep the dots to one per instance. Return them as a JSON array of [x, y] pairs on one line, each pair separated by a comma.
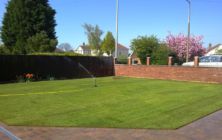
[[121, 52], [79, 50], [171, 73]]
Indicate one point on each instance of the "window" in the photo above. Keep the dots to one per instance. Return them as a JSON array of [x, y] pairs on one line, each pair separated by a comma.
[[205, 59]]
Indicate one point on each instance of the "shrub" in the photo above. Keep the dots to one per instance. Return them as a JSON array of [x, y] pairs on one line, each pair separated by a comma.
[[219, 51], [122, 59], [144, 46], [160, 55]]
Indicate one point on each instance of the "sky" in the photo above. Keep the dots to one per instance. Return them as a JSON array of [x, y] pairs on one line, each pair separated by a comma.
[[136, 18]]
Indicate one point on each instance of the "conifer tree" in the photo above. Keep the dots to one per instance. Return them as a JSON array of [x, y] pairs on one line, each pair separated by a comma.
[[24, 19], [108, 44]]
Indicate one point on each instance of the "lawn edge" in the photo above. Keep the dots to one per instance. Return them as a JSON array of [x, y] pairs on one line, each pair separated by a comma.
[[160, 129]]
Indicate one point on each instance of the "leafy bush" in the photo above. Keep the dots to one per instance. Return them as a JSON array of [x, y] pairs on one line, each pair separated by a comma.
[[160, 55], [20, 79], [219, 51], [144, 46], [122, 59]]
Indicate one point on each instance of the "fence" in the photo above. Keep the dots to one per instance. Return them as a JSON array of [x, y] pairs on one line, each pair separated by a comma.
[[60, 67]]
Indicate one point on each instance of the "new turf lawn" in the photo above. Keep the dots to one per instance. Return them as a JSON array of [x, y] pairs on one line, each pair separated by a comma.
[[116, 103]]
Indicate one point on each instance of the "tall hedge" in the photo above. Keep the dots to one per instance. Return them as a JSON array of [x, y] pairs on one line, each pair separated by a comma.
[[24, 19]]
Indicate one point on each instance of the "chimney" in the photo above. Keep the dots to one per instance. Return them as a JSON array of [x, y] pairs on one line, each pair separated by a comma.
[[210, 46], [83, 44]]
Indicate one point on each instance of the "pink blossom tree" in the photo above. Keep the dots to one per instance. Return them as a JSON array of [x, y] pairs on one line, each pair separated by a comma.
[[178, 43]]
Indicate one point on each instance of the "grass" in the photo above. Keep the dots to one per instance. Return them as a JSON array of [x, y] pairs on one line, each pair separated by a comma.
[[115, 103]]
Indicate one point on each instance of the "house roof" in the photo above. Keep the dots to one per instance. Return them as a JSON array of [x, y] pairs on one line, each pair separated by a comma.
[[214, 47], [58, 50], [122, 47], [133, 55], [84, 47]]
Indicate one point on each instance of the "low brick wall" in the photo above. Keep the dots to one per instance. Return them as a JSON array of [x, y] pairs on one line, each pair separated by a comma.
[[213, 75]]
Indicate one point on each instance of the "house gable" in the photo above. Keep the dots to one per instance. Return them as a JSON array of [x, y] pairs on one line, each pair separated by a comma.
[[213, 50]]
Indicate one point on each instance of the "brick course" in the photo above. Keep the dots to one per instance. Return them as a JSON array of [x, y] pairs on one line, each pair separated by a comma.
[[211, 75]]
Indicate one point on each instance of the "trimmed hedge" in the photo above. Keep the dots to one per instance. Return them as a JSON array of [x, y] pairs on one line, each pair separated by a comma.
[[58, 54], [59, 67]]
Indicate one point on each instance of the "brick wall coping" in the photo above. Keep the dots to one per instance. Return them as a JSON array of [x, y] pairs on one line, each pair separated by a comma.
[[186, 67]]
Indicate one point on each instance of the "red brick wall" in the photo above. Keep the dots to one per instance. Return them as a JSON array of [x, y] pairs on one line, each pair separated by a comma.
[[172, 73]]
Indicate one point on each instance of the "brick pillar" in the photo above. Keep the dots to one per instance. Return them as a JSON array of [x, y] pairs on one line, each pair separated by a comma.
[[170, 61], [196, 61], [148, 61], [115, 60], [139, 62], [129, 61]]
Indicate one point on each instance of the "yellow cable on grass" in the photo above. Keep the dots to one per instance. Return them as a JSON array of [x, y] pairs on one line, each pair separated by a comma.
[[39, 93]]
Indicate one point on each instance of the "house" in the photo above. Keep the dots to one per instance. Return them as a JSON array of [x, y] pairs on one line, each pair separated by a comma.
[[213, 50], [58, 50], [121, 51], [83, 49], [86, 50], [135, 59]]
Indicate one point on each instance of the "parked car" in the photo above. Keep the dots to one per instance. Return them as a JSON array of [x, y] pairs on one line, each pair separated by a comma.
[[207, 61]]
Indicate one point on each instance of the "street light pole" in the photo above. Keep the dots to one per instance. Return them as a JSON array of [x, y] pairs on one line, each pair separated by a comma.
[[117, 28], [188, 41]]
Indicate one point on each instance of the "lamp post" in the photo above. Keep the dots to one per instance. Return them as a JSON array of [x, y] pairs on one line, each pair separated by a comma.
[[188, 41], [117, 28]]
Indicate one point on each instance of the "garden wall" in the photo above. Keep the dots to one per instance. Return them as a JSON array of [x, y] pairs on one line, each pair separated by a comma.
[[61, 67], [171, 73]]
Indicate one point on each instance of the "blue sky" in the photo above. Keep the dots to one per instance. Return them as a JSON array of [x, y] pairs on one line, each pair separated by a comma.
[[136, 17]]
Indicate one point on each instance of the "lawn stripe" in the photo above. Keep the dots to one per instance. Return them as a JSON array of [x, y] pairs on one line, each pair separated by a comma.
[[40, 93]]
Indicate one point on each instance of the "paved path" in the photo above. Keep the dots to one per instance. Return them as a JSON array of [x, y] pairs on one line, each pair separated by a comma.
[[208, 128]]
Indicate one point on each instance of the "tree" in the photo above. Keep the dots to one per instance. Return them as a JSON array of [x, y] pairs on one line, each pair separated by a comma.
[[41, 43], [66, 47], [4, 50], [24, 19], [178, 43], [94, 37], [108, 44], [0, 36], [219, 51], [144, 46], [161, 54]]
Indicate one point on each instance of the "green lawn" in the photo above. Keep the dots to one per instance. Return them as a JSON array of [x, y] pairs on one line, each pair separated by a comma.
[[116, 103]]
